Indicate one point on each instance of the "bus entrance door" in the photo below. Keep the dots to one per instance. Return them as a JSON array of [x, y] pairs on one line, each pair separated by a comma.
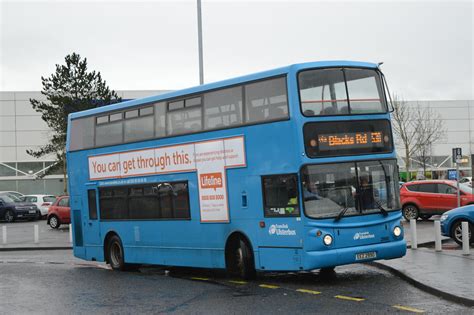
[[92, 237]]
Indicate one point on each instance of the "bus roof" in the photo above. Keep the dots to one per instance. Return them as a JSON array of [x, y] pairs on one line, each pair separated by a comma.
[[221, 84]]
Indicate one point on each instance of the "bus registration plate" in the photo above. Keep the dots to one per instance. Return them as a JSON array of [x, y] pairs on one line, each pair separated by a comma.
[[369, 255]]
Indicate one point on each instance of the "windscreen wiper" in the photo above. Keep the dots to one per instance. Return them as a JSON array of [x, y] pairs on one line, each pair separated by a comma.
[[384, 212], [341, 214]]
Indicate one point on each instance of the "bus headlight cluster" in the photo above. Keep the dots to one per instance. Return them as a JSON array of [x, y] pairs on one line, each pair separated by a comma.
[[327, 239], [397, 231]]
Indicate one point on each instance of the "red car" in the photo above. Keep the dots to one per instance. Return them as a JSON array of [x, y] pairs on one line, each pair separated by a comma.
[[422, 199], [59, 213]]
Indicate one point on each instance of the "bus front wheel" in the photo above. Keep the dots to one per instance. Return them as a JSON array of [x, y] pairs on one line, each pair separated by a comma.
[[240, 260]]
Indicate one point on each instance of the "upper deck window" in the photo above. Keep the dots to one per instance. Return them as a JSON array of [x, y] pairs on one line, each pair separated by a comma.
[[262, 101], [266, 100], [336, 91]]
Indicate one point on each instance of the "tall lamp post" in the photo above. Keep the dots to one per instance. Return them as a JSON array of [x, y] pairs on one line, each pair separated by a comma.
[[201, 69]]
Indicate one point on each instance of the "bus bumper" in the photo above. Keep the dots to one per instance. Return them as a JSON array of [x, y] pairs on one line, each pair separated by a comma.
[[347, 255]]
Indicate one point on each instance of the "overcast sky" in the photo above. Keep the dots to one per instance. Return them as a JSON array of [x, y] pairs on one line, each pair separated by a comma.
[[427, 47]]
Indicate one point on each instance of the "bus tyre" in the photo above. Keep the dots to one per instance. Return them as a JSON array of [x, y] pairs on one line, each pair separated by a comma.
[[327, 272], [54, 222], [456, 232], [410, 212], [115, 253], [241, 261]]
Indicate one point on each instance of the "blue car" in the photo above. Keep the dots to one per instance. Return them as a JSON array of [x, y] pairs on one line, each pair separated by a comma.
[[451, 223]]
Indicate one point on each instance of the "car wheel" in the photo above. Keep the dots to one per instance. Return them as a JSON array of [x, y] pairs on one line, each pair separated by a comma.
[[456, 232], [425, 217], [54, 222], [410, 212], [9, 216]]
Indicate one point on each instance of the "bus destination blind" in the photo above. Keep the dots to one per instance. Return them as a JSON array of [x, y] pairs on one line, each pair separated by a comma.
[[354, 137]]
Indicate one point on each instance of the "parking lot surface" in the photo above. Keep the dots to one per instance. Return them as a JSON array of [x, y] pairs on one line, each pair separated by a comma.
[[55, 282]]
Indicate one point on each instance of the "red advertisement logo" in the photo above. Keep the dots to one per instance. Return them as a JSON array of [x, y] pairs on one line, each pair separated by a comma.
[[211, 180]]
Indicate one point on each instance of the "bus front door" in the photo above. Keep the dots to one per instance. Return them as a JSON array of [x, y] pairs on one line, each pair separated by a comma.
[[280, 232], [92, 237]]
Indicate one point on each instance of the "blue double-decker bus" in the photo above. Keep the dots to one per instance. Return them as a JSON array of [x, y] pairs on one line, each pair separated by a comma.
[[283, 170]]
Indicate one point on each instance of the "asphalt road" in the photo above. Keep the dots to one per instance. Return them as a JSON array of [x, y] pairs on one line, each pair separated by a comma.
[[54, 282]]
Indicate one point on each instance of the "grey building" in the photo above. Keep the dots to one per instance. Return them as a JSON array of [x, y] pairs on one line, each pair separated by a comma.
[[458, 121], [21, 128]]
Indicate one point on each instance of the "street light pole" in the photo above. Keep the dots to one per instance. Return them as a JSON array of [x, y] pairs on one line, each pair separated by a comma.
[[201, 69]]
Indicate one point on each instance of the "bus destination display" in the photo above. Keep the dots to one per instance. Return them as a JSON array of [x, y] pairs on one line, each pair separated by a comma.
[[347, 138], [351, 140]]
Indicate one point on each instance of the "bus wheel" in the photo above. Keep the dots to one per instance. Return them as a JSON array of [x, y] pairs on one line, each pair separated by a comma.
[[241, 262], [327, 273], [115, 253]]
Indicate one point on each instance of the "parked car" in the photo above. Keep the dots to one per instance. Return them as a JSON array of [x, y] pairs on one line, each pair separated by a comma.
[[422, 199], [466, 180], [12, 194], [43, 202], [10, 210], [451, 223], [59, 213]]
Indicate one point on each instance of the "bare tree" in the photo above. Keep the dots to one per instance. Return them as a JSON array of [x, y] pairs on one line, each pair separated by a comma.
[[416, 128], [429, 129], [404, 129]]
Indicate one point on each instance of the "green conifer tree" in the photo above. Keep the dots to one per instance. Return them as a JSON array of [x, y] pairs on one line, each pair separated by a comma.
[[70, 89]]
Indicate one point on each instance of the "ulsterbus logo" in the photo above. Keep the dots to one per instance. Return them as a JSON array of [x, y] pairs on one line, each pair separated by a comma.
[[281, 229], [211, 180], [363, 236]]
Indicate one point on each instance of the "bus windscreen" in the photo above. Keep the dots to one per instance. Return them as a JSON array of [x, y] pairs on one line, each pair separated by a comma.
[[324, 139]]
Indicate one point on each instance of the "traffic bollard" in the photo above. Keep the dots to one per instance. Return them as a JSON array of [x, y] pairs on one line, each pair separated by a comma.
[[437, 229], [36, 234], [4, 235], [465, 238], [70, 233], [414, 242]]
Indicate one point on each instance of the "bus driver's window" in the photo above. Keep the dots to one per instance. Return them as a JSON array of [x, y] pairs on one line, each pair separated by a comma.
[[280, 194]]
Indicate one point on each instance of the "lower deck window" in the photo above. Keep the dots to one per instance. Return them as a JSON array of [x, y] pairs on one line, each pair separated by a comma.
[[168, 200]]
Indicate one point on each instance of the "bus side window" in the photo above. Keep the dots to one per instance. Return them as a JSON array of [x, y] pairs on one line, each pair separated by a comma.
[[91, 198], [280, 195], [266, 100]]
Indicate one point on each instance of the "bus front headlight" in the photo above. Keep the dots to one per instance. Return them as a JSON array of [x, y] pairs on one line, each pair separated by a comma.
[[327, 239], [397, 231]]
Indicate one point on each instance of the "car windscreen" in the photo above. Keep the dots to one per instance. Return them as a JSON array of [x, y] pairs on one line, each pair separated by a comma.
[[7, 199], [361, 187]]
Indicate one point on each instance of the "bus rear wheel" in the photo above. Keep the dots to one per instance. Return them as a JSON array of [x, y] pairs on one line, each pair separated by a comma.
[[240, 261], [115, 255]]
